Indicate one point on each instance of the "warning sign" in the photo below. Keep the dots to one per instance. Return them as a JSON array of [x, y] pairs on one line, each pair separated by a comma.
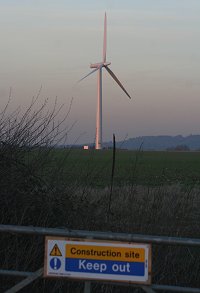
[[99, 260], [55, 251]]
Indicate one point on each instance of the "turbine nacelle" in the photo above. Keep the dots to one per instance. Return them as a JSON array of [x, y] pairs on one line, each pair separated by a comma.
[[100, 64]]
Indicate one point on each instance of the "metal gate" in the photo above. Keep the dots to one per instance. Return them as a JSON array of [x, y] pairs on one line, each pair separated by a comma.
[[29, 277]]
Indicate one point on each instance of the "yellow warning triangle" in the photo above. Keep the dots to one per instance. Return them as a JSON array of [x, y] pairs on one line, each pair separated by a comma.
[[55, 251]]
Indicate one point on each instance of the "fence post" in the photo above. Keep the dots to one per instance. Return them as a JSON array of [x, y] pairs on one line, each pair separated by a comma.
[[87, 287]]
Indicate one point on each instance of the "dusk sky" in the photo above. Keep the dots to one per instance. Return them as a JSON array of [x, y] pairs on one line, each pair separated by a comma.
[[153, 47]]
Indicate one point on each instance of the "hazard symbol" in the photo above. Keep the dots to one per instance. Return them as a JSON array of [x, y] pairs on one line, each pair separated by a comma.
[[55, 251]]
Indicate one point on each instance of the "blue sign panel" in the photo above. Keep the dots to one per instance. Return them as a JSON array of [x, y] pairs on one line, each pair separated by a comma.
[[105, 267]]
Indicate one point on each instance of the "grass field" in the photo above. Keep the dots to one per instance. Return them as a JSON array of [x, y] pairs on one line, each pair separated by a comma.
[[131, 167]]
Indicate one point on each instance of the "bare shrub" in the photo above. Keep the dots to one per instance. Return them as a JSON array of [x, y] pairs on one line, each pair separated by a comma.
[[28, 194], [27, 141]]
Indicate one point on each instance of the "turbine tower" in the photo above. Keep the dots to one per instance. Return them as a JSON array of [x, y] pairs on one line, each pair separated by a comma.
[[98, 67]]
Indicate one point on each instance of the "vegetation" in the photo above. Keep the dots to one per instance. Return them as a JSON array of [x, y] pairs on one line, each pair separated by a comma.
[[154, 193]]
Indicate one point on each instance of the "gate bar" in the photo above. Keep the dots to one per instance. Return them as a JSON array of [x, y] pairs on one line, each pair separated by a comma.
[[12, 273], [87, 287], [25, 282], [128, 237], [169, 288], [152, 287]]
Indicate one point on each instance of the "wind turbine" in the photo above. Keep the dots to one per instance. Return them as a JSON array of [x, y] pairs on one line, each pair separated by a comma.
[[98, 67]]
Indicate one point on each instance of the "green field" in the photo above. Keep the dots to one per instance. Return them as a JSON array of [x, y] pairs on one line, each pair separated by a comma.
[[131, 167]]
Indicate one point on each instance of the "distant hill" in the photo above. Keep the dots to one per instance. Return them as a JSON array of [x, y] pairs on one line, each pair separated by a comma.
[[159, 143]]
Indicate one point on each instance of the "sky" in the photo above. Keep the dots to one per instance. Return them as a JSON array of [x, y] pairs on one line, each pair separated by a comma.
[[153, 47]]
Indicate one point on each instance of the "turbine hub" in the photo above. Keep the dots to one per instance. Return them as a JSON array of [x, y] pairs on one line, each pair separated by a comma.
[[96, 65], [106, 64]]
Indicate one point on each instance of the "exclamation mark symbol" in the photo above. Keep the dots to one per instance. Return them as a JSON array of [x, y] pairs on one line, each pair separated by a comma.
[[55, 263]]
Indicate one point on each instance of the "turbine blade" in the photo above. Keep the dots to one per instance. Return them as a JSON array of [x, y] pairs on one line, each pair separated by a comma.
[[88, 74], [117, 81], [105, 38]]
